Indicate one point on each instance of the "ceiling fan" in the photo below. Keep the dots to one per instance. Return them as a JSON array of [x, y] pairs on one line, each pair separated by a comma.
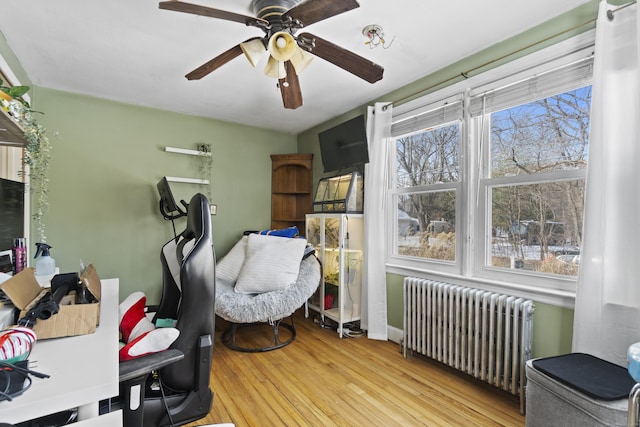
[[289, 53]]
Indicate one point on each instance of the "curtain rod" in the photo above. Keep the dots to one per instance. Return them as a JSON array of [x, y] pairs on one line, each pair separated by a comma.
[[610, 12], [465, 74]]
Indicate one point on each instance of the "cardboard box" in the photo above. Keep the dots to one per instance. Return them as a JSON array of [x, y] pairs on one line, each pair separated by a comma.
[[72, 319]]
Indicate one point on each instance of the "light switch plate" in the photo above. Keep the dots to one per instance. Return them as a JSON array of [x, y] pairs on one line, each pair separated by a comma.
[[214, 209]]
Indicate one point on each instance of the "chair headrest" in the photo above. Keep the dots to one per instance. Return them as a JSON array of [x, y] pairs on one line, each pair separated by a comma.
[[198, 218], [198, 227]]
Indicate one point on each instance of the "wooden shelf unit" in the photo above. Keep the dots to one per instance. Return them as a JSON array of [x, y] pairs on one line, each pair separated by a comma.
[[291, 189], [10, 132]]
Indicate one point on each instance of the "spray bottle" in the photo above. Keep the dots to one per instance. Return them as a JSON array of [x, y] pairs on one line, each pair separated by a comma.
[[19, 252], [46, 265]]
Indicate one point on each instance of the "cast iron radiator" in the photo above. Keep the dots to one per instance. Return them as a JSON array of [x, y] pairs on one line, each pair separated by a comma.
[[484, 334]]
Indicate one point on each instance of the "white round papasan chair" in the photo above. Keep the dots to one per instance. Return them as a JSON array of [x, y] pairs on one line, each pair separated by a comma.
[[270, 307]]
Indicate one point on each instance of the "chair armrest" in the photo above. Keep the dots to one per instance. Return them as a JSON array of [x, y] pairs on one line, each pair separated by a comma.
[[144, 365]]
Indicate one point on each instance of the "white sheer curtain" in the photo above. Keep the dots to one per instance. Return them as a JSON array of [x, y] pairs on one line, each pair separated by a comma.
[[374, 286], [607, 311]]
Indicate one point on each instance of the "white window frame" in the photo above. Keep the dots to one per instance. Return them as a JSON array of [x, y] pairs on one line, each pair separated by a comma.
[[416, 263], [471, 193]]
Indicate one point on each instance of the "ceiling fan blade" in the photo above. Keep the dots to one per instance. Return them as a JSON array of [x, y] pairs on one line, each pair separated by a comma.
[[218, 61], [311, 11], [290, 88], [349, 61], [197, 9]]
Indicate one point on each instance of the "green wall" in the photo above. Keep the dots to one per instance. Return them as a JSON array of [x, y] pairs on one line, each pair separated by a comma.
[[105, 164]]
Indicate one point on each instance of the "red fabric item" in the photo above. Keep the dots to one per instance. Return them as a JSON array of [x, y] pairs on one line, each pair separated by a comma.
[[123, 354], [149, 342], [328, 301], [132, 317]]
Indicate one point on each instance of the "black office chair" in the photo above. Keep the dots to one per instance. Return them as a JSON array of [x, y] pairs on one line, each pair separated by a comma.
[[188, 295]]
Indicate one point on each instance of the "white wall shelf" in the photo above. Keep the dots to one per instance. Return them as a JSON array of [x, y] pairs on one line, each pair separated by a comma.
[[189, 152], [188, 180]]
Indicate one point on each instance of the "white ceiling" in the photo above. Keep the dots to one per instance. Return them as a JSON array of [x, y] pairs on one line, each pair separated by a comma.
[[133, 52]]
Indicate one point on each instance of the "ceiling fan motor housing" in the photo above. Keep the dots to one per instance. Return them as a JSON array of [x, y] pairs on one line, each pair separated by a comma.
[[271, 11], [264, 9]]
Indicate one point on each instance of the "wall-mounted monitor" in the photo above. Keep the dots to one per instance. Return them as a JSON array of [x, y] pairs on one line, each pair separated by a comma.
[[167, 202], [12, 195], [345, 145]]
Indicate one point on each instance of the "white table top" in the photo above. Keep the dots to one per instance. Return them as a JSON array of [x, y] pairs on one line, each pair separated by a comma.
[[83, 369]]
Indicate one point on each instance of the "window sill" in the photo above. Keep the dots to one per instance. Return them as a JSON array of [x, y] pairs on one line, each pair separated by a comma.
[[565, 299]]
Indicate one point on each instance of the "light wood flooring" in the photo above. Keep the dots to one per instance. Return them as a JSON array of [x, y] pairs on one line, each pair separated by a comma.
[[322, 380]]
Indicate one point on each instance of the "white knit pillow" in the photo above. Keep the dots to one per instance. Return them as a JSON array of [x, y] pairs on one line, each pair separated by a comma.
[[272, 263], [228, 268]]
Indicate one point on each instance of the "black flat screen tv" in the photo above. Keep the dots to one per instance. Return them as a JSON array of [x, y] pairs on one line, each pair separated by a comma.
[[12, 195], [344, 146]]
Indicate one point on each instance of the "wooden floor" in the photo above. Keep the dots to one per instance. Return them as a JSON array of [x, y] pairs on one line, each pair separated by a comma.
[[322, 380]]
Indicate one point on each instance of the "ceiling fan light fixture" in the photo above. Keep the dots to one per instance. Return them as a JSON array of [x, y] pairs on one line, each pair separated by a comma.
[[275, 69], [253, 50], [282, 46], [300, 60]]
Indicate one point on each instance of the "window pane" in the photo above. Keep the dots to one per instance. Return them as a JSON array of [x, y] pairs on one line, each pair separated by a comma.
[[546, 135], [426, 225], [519, 240], [428, 157]]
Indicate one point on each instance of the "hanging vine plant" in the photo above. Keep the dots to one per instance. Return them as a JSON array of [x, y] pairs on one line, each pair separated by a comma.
[[205, 164], [37, 150], [37, 157]]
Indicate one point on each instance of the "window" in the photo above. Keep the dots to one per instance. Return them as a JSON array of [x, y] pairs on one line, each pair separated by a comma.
[[489, 180], [538, 149], [427, 170], [427, 162]]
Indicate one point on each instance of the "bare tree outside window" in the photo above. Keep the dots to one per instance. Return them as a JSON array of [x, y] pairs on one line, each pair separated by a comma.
[[534, 225], [542, 136], [535, 203], [427, 217]]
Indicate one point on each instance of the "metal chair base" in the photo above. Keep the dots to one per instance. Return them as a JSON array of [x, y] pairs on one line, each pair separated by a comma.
[[229, 336]]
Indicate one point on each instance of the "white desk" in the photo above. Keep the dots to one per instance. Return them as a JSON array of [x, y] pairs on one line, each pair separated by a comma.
[[83, 369]]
